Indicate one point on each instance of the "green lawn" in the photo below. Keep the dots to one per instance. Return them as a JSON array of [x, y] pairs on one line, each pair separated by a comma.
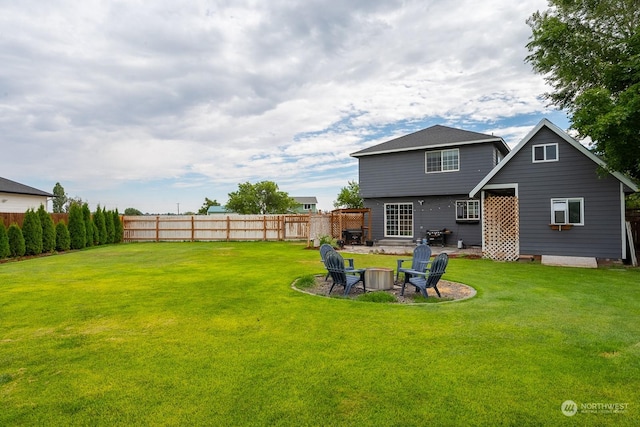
[[213, 334]]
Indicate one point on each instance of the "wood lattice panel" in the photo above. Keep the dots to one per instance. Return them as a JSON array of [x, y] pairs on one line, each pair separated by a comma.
[[501, 228]]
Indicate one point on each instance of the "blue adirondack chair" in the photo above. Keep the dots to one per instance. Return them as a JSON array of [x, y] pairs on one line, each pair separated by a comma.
[[340, 275], [430, 277], [421, 256], [326, 248]]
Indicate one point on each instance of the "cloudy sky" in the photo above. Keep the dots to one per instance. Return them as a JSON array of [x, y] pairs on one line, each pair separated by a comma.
[[158, 104]]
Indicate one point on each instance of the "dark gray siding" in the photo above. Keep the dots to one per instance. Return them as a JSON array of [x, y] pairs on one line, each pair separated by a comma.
[[574, 175], [436, 213], [403, 174]]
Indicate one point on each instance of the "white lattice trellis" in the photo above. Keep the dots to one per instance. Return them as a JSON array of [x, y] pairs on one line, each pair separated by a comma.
[[501, 228]]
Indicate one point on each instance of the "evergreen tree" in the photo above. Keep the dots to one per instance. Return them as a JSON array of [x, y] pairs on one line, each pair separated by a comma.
[[77, 229], [4, 242], [86, 215], [118, 228], [98, 219], [16, 241], [32, 233], [96, 232], [48, 230], [108, 220], [63, 239]]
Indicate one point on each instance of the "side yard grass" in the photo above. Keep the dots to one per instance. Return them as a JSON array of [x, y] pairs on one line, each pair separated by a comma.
[[213, 334]]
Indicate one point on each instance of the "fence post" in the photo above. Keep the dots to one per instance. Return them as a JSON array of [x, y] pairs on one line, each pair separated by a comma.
[[157, 228], [228, 228]]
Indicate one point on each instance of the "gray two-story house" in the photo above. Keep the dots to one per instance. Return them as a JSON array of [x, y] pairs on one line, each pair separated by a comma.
[[421, 182], [548, 196]]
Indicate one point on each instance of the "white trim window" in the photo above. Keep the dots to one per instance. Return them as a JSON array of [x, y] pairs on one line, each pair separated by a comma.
[[567, 211], [467, 210], [398, 219], [442, 161], [544, 153]]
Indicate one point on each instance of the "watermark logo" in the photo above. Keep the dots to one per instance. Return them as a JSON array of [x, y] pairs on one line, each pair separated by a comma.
[[569, 408]]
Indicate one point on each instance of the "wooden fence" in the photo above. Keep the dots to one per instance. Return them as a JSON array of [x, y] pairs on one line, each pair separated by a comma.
[[18, 218], [216, 227]]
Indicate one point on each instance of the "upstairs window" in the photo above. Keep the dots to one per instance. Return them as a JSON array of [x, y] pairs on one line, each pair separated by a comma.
[[545, 153], [442, 161], [497, 156], [307, 206], [567, 211], [467, 210]]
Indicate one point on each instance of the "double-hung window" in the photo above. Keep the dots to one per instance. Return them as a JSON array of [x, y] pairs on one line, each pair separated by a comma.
[[398, 219], [545, 153], [467, 210], [442, 161], [567, 211]]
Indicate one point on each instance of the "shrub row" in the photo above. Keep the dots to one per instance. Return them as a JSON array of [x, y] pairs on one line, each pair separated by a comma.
[[39, 235]]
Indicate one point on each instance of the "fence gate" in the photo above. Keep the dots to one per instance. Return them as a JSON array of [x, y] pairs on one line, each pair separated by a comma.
[[501, 228]]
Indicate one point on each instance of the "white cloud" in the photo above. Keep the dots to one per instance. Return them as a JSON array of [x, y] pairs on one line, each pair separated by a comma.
[[202, 95]]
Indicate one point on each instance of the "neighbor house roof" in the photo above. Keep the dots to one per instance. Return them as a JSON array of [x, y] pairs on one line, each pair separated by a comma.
[[546, 123], [432, 137], [218, 210], [306, 200], [8, 186]]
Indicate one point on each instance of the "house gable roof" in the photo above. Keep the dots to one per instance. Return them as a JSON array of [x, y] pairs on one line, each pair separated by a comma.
[[306, 200], [566, 137], [8, 186], [432, 137]]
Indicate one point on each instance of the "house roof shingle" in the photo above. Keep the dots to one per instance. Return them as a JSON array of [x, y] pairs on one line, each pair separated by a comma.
[[8, 186], [431, 137]]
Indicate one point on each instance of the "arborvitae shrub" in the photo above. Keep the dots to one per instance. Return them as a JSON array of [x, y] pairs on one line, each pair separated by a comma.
[[98, 219], [88, 224], [16, 241], [63, 239], [118, 228], [77, 229], [108, 221], [95, 231], [48, 230], [32, 233], [4, 242]]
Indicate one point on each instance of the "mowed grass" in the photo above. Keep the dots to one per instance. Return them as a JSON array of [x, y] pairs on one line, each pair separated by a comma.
[[213, 334]]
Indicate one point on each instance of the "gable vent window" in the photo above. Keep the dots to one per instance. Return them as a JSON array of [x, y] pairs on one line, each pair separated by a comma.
[[442, 161], [545, 153]]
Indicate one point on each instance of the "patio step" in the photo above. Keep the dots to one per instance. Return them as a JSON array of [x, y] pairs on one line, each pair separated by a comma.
[[394, 242]]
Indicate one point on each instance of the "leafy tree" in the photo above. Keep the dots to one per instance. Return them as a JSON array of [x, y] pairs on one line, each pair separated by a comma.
[[4, 242], [59, 198], [118, 227], [73, 201], [16, 241], [63, 238], [261, 198], [108, 221], [589, 51], [32, 233], [206, 205], [349, 197], [77, 228], [132, 212], [48, 230], [86, 216]]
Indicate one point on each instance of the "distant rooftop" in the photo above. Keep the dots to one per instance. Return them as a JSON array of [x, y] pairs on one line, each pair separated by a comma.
[[8, 186]]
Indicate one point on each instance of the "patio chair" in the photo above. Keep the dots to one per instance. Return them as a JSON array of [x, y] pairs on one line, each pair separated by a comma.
[[430, 277], [421, 256], [326, 248], [340, 275]]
